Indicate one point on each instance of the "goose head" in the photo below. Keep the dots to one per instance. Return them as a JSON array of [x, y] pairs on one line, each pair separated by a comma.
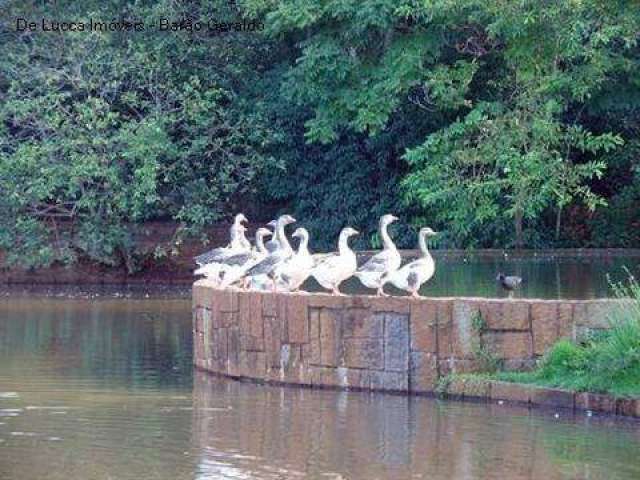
[[263, 232], [286, 220], [240, 219], [349, 232], [300, 233], [272, 223], [387, 219], [427, 232]]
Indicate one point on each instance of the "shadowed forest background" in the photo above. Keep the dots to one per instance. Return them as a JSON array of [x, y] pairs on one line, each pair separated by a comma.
[[502, 124]]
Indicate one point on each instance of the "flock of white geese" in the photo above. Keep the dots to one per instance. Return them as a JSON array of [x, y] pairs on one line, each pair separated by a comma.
[[274, 265]]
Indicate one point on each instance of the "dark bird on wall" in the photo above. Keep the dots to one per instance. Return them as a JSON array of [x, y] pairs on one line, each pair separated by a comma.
[[509, 282]]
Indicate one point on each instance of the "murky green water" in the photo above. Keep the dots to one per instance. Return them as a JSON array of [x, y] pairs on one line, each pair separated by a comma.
[[544, 276], [104, 389]]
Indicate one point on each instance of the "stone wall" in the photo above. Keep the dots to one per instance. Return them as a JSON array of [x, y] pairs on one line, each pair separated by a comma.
[[364, 342]]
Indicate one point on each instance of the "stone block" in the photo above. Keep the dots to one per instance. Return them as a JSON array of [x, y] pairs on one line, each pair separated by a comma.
[[565, 320], [390, 304], [511, 392], [233, 350], [313, 357], [269, 304], [250, 316], [325, 300], [330, 337], [477, 387], [365, 353], [515, 316], [251, 343], [324, 377], [508, 345], [463, 335], [226, 300], [552, 397], [297, 319], [219, 344], [545, 324], [596, 402], [396, 342], [424, 326], [252, 365], [598, 314], [360, 322], [423, 372], [198, 319], [492, 314], [455, 387], [272, 340], [389, 381], [448, 366], [228, 319], [202, 295]]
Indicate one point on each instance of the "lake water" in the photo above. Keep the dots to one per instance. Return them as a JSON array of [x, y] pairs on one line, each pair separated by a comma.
[[544, 275], [104, 389]]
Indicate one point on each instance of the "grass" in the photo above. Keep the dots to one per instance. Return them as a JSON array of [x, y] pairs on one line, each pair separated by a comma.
[[606, 362]]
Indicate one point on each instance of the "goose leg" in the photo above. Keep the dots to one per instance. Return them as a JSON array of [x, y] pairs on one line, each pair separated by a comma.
[[415, 294], [381, 292]]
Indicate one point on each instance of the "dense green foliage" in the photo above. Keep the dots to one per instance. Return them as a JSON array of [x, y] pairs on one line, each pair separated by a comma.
[[499, 123], [606, 362], [100, 131]]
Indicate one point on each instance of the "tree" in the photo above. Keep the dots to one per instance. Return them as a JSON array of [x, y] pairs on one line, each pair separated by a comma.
[[102, 130]]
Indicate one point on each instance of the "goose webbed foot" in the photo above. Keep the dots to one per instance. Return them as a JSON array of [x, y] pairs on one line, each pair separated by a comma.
[[415, 294], [381, 292]]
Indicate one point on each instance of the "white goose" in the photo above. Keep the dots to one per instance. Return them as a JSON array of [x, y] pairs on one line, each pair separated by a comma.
[[268, 264], [382, 263], [238, 243], [332, 269], [292, 273], [411, 276], [215, 269], [273, 244], [236, 267]]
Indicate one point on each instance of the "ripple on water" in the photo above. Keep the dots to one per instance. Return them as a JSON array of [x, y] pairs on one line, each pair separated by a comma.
[[10, 412], [9, 395]]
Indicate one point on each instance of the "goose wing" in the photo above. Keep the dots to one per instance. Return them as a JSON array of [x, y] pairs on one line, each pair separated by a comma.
[[212, 256], [267, 265], [377, 263], [238, 259]]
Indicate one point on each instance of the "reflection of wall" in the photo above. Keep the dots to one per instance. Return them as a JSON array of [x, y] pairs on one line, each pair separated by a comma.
[[393, 343], [249, 431]]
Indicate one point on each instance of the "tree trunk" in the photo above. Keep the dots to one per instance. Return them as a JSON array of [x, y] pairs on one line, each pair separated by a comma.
[[518, 225], [558, 220]]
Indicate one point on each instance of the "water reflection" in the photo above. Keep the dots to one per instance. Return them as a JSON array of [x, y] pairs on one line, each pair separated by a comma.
[[314, 433], [105, 390]]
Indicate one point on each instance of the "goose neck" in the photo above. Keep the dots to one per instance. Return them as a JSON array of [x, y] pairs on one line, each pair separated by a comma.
[[303, 248], [422, 241], [282, 238], [386, 239], [343, 245]]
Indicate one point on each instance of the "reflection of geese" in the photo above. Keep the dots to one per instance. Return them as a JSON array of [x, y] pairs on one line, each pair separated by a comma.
[[332, 269], [411, 277], [271, 261], [382, 263], [292, 273]]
